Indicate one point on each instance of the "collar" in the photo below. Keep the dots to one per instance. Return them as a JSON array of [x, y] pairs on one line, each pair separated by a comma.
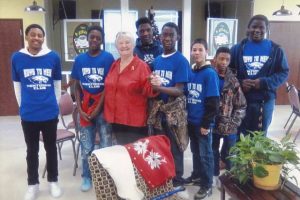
[[42, 52], [195, 67]]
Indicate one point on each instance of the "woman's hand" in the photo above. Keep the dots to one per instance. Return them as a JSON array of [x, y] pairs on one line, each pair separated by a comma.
[[155, 79]]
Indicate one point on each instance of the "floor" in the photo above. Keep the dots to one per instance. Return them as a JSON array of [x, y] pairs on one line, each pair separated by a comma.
[[13, 182]]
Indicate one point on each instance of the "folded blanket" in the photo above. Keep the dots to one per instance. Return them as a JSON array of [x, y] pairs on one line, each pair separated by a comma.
[[153, 158], [117, 162]]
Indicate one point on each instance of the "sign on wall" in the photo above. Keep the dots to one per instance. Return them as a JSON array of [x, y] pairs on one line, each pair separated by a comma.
[[220, 32], [75, 36]]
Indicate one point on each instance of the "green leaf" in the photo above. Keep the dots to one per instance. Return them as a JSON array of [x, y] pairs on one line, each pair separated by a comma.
[[260, 171], [276, 158], [242, 137]]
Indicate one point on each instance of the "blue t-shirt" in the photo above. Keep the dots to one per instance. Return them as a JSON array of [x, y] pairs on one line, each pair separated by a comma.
[[203, 83], [148, 53], [255, 56], [173, 69], [36, 75], [91, 71]]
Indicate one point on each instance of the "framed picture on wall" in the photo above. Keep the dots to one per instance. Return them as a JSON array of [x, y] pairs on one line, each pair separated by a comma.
[[220, 32], [75, 36]]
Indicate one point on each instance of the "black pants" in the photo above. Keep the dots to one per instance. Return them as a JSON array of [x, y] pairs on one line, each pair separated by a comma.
[[31, 133], [128, 134]]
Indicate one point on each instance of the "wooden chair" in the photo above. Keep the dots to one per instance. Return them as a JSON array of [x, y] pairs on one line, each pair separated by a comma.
[[66, 107]]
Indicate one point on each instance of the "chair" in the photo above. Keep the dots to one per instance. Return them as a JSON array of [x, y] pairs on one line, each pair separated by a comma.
[[66, 107], [295, 104], [105, 187], [288, 87]]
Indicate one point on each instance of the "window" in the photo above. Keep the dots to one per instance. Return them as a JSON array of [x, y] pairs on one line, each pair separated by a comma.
[[112, 25], [163, 16]]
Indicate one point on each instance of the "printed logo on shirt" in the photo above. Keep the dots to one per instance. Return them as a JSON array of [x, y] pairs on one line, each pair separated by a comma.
[[39, 78], [93, 77], [194, 90], [148, 58], [254, 64], [166, 76]]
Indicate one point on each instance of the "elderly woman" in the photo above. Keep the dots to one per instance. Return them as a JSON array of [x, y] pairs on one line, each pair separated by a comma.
[[127, 89]]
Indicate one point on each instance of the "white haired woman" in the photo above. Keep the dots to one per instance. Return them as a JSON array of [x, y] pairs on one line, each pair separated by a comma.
[[127, 89]]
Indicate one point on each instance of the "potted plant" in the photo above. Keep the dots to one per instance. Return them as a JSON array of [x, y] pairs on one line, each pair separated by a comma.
[[258, 157]]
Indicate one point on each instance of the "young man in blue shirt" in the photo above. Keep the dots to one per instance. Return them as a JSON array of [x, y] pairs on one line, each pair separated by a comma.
[[89, 72], [202, 106], [36, 73], [172, 68], [261, 67], [146, 47]]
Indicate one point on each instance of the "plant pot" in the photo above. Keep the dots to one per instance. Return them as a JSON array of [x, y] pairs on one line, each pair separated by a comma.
[[270, 182]]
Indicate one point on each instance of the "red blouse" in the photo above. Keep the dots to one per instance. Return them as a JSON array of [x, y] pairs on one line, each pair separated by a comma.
[[126, 93]]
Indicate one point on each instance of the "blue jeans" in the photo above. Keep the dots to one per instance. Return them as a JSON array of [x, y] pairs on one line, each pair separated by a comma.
[[203, 161], [87, 141], [251, 120], [228, 142]]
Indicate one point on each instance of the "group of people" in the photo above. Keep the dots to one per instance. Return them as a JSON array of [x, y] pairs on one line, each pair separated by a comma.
[[147, 90]]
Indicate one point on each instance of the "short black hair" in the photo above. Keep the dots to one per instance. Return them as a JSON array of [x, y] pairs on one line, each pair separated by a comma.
[[95, 27], [31, 26], [259, 17], [199, 41], [222, 50], [171, 25], [142, 20]]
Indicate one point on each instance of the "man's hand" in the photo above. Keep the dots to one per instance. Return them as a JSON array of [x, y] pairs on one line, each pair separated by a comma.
[[256, 83], [84, 116], [247, 84], [204, 131], [93, 115]]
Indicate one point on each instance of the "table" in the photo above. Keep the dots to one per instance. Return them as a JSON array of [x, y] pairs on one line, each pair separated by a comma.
[[237, 191]]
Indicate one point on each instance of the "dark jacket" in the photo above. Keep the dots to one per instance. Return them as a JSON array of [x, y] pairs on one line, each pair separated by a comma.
[[176, 117], [148, 53], [232, 106], [272, 74]]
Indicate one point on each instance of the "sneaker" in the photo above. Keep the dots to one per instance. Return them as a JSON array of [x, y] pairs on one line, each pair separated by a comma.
[[32, 192], [86, 184], [216, 182], [178, 182], [192, 180], [202, 193], [55, 190]]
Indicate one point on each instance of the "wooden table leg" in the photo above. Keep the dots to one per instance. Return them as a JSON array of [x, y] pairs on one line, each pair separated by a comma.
[[222, 192]]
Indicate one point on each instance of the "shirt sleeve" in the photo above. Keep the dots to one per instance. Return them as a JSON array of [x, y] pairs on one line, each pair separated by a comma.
[[74, 73], [181, 72], [14, 73], [17, 89], [212, 84], [147, 88], [57, 68]]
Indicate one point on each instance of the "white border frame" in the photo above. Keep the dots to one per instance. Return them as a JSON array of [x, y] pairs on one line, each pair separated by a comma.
[[211, 24], [65, 21]]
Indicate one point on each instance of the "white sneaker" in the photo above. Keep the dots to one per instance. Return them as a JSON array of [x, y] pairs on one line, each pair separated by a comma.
[[216, 182], [55, 190], [32, 192]]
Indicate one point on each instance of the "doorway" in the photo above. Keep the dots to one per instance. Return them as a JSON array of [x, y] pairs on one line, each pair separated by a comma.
[[290, 43], [11, 40]]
